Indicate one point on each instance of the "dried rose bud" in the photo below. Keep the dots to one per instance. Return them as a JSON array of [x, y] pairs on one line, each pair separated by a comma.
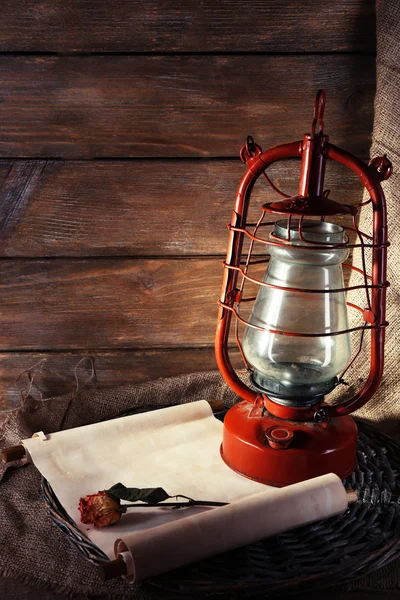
[[100, 510]]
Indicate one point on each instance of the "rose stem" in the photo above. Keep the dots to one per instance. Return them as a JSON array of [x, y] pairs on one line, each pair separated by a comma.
[[174, 504], [352, 496]]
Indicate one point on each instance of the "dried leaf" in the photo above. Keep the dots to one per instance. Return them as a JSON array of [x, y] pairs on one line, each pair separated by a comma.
[[148, 495]]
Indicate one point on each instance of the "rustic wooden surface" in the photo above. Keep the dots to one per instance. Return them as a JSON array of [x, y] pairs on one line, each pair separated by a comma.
[[189, 26], [125, 304], [177, 106], [118, 256], [42, 374], [59, 208], [109, 303]]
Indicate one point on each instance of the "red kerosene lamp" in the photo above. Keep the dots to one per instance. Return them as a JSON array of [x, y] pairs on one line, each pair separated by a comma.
[[296, 343]]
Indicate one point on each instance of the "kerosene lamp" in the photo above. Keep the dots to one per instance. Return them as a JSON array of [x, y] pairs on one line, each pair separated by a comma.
[[296, 343]]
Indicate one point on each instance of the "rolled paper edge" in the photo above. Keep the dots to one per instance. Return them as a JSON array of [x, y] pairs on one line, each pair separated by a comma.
[[123, 553], [13, 453], [113, 568], [351, 496], [20, 452], [122, 549]]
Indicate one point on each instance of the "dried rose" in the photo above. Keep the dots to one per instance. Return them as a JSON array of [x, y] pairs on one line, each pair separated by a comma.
[[100, 509], [105, 508]]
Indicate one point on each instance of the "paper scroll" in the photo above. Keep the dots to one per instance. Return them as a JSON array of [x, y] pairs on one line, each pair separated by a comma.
[[261, 515], [177, 448]]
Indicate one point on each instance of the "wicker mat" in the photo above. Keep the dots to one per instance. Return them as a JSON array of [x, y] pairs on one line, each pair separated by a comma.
[[33, 550]]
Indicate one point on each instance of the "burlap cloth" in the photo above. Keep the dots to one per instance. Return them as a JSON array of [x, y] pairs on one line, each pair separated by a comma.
[[32, 550], [34, 554], [384, 408]]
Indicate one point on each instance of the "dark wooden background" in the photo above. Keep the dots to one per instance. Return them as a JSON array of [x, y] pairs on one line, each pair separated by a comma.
[[120, 126]]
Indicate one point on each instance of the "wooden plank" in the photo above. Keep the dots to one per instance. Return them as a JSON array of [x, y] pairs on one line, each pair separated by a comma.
[[72, 304], [178, 106], [5, 168], [45, 375], [108, 303], [155, 208], [190, 26], [20, 184]]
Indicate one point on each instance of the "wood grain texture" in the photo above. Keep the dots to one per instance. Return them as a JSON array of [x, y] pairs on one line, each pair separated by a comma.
[[178, 106], [20, 184], [150, 315], [142, 208], [62, 304], [45, 375], [189, 26], [108, 303]]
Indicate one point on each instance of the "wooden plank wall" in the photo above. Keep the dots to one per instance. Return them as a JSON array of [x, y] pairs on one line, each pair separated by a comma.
[[121, 123]]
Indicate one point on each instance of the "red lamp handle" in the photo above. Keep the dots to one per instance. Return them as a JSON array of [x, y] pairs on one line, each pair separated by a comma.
[[256, 165], [370, 177]]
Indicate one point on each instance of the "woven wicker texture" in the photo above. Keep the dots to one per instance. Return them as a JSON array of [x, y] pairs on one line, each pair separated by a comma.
[[329, 552]]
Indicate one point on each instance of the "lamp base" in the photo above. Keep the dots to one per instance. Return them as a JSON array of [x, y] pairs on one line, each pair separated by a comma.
[[279, 452]]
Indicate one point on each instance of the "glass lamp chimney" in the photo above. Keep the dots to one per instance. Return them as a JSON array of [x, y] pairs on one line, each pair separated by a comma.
[[291, 370]]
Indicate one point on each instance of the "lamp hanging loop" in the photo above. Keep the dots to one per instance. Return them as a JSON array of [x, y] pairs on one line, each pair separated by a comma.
[[249, 150], [383, 167]]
